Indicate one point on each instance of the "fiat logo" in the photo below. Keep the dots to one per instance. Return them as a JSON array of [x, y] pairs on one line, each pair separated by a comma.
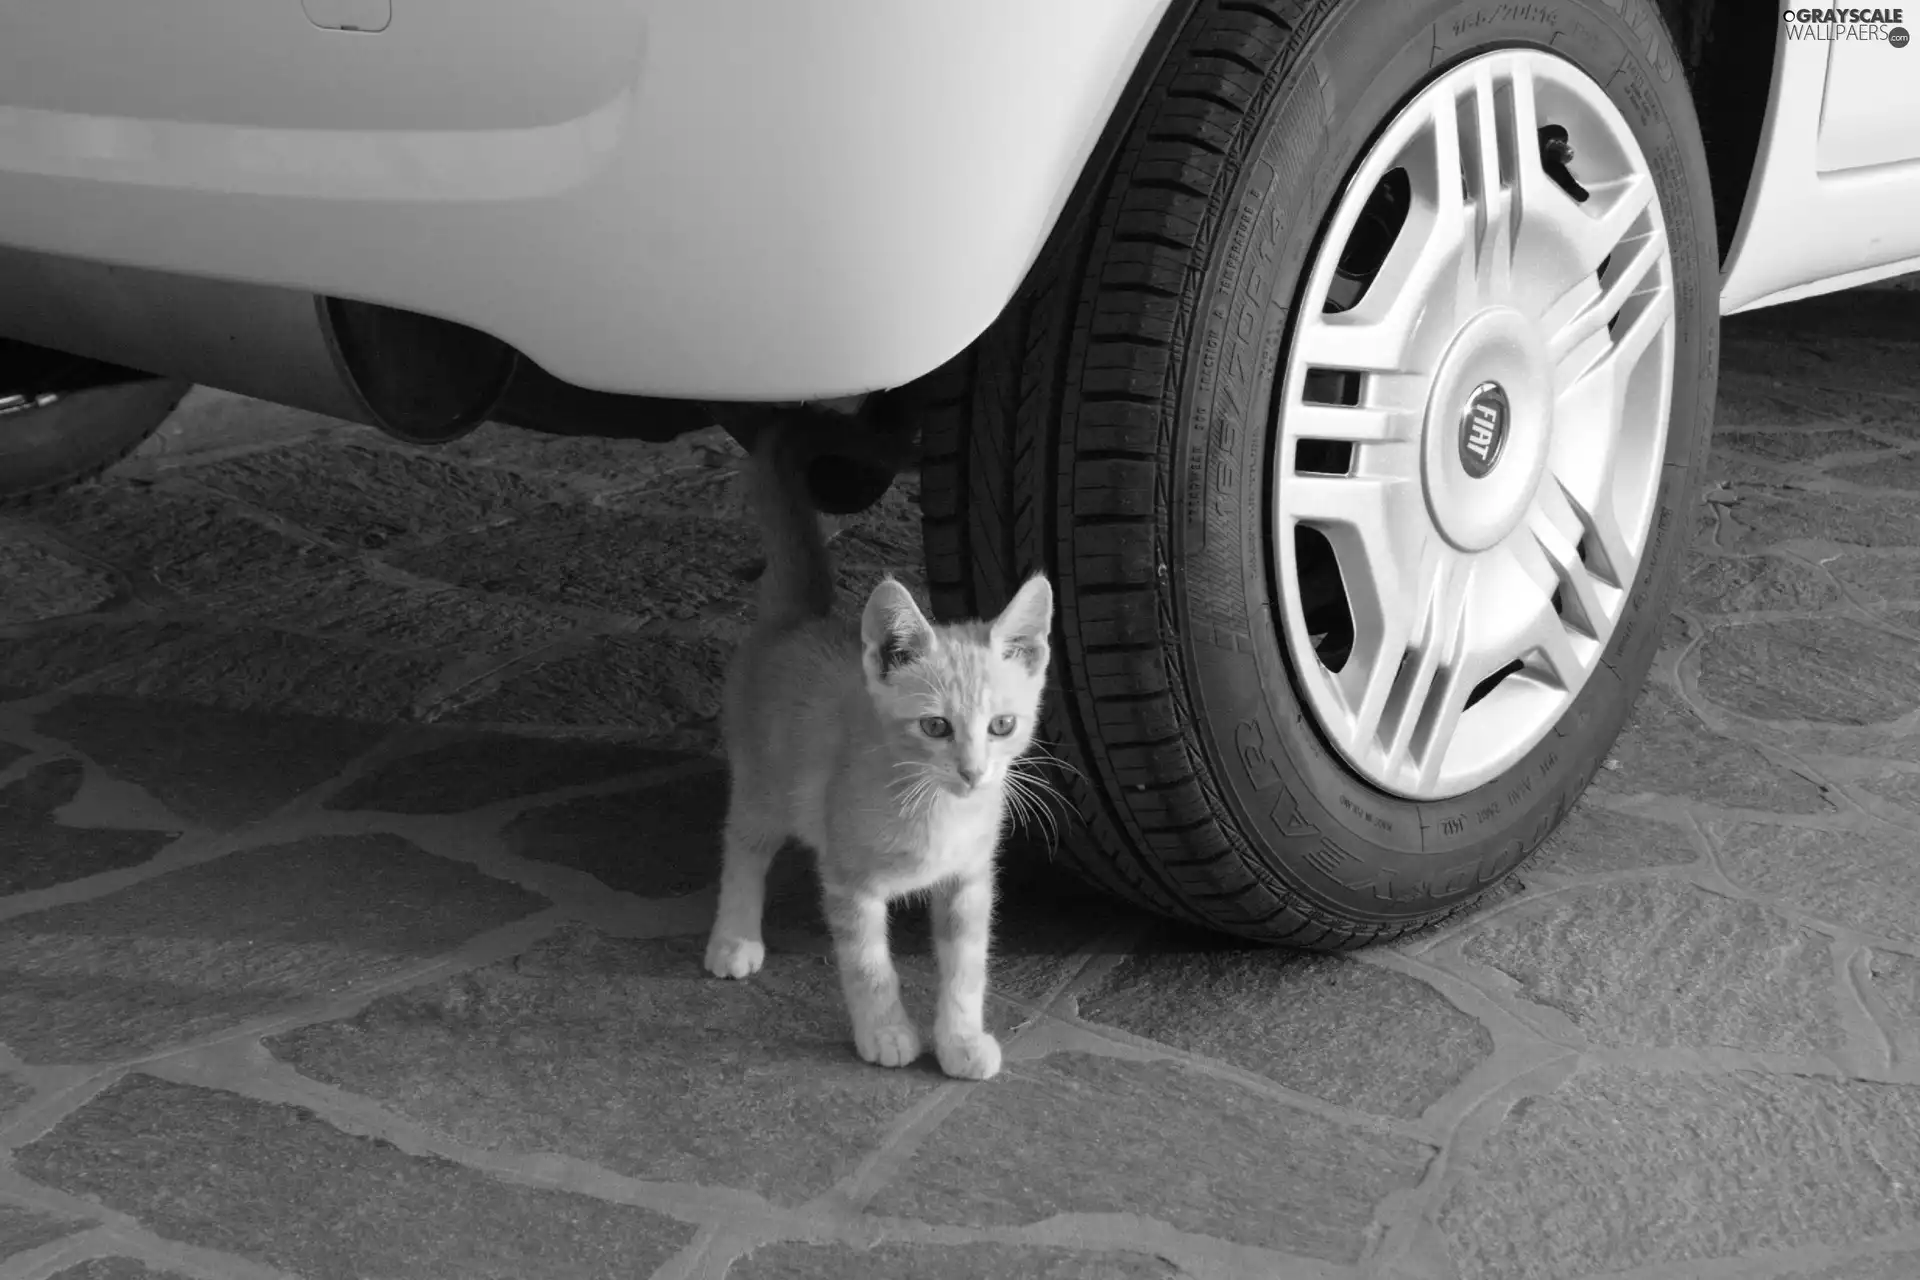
[[1483, 429]]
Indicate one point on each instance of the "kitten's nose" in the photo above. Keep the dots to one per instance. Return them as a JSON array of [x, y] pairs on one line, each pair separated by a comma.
[[968, 774]]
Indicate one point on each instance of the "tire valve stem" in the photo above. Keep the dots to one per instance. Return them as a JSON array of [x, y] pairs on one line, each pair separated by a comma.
[[1556, 154]]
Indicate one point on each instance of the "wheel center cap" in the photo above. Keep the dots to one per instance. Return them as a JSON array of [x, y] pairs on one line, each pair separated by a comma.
[[1489, 422], [1483, 429]]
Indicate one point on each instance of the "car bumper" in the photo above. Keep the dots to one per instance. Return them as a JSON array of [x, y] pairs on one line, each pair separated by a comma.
[[708, 199]]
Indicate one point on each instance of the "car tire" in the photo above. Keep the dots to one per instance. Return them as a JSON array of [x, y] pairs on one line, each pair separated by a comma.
[[65, 419], [1161, 420]]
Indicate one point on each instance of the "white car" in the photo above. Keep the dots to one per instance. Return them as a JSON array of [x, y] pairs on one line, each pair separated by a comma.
[[1347, 363]]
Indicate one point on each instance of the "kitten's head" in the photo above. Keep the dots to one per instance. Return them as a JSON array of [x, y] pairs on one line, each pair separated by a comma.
[[958, 700]]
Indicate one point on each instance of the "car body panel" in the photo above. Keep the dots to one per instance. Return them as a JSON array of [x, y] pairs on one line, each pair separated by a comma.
[[699, 198], [1870, 107], [468, 65], [1834, 198]]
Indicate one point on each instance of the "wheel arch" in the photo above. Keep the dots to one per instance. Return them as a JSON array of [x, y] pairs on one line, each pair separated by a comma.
[[1727, 61]]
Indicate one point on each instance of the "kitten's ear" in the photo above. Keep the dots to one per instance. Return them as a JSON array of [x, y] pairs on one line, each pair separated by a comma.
[[1020, 632], [893, 631]]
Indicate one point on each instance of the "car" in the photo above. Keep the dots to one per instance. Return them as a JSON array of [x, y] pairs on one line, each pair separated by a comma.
[[1347, 363]]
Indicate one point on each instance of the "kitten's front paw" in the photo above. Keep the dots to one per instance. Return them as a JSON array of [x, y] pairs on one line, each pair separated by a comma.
[[734, 957], [969, 1057], [891, 1044]]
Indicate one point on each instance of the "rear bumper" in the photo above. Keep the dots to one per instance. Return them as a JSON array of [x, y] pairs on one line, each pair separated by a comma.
[[741, 201]]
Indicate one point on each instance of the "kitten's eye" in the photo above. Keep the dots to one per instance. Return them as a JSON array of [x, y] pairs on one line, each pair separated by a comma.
[[1000, 726], [936, 727]]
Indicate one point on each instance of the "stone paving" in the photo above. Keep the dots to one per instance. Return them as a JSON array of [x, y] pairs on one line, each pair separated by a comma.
[[357, 825]]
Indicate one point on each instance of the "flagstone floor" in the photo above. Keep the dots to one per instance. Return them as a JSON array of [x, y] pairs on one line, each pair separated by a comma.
[[358, 810]]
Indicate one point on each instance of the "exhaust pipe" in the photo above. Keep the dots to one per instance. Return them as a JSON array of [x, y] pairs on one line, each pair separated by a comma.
[[418, 378]]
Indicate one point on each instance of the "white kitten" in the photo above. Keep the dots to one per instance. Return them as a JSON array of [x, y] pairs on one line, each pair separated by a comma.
[[886, 750]]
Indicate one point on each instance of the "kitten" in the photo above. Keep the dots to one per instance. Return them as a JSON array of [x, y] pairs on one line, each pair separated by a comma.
[[886, 750]]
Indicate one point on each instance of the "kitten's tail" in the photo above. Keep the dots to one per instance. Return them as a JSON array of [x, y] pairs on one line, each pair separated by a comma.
[[797, 584]]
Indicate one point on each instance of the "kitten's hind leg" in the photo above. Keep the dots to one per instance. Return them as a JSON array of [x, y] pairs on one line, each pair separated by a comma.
[[734, 948], [962, 920], [882, 1031]]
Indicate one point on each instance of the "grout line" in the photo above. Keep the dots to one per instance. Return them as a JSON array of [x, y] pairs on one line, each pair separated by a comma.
[[1066, 1035], [305, 816], [708, 1256], [891, 1154], [246, 1068], [1480, 1116], [731, 1220], [65, 1088], [49, 1259], [1866, 1027]]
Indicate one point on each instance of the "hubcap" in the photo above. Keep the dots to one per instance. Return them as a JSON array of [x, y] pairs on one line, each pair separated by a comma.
[[1472, 423]]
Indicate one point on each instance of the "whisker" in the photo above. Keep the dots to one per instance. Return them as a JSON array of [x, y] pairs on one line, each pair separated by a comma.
[[1043, 790], [1039, 751], [1038, 775], [1041, 783], [914, 792], [1021, 812], [1045, 820], [1028, 803]]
